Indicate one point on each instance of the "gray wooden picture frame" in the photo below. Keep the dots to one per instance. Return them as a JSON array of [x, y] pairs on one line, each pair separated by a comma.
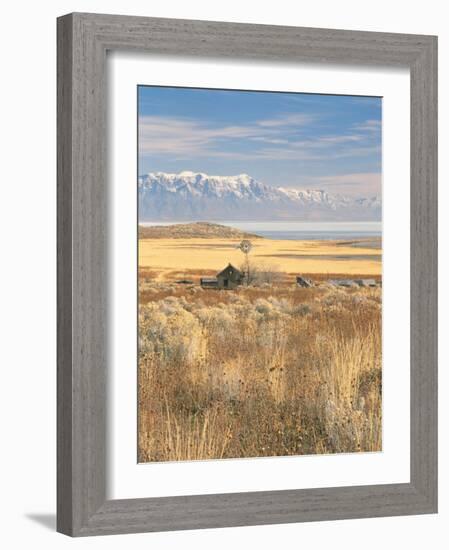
[[83, 41]]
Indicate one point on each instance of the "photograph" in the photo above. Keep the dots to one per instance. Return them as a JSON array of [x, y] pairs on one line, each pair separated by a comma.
[[259, 274]]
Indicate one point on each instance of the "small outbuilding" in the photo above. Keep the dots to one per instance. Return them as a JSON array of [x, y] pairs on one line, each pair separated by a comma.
[[366, 282], [209, 282], [303, 282], [347, 283], [353, 283]]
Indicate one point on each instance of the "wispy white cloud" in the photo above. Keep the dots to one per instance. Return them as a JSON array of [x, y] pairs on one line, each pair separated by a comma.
[[276, 141], [341, 139], [368, 126], [177, 136], [269, 139], [296, 120]]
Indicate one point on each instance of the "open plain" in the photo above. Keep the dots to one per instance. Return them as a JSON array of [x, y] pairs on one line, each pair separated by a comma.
[[265, 369]]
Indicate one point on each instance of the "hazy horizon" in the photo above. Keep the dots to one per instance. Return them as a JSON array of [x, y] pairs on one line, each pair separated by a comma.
[[294, 230]]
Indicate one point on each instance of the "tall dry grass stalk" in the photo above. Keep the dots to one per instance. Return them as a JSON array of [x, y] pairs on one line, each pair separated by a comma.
[[259, 372]]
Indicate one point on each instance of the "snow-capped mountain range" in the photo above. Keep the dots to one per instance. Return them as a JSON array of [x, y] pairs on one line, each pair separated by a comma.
[[191, 196]]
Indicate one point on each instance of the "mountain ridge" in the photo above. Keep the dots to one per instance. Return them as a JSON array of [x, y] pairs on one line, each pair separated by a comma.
[[190, 196]]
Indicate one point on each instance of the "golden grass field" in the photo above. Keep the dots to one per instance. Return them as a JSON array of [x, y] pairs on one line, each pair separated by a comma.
[[320, 257], [263, 370]]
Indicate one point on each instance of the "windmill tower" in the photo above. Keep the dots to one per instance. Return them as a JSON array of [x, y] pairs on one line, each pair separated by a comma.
[[245, 246]]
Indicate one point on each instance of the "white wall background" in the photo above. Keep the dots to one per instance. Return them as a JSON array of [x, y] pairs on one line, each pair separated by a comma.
[[27, 286]]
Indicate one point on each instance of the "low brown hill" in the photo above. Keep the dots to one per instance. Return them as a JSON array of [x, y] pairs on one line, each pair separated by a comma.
[[202, 230]]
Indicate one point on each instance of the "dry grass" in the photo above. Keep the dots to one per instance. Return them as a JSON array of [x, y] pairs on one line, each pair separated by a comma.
[[167, 255], [267, 371]]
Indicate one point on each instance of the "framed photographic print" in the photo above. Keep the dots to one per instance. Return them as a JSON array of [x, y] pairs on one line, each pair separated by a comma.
[[246, 274]]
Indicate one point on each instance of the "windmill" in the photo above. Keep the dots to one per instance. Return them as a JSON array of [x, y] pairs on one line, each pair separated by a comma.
[[245, 246]]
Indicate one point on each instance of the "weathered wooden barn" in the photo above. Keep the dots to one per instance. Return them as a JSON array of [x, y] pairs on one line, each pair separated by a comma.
[[230, 277]]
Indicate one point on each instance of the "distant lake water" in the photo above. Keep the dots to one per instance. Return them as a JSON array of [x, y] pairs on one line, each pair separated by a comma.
[[291, 231], [311, 230]]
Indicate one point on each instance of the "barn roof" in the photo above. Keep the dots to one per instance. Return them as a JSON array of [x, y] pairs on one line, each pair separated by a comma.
[[228, 268]]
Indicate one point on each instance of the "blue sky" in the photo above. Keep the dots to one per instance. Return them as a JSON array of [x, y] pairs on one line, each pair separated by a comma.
[[283, 139]]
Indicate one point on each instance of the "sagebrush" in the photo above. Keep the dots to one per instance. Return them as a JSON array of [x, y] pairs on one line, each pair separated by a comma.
[[267, 371]]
